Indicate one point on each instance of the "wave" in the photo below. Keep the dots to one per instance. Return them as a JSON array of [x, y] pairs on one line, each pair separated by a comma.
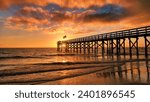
[[4, 53], [12, 72], [75, 63], [56, 77], [60, 54], [67, 63], [18, 57], [94, 62], [40, 56], [54, 74]]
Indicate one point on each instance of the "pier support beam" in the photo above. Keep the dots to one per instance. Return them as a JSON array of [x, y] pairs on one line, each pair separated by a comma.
[[103, 48], [80, 47], [96, 47], [66, 47], [84, 47], [59, 46], [88, 47], [118, 46], [76, 47], [114, 46], [133, 44], [147, 44], [107, 46]]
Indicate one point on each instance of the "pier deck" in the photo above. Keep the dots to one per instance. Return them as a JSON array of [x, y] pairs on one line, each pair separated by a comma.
[[108, 43]]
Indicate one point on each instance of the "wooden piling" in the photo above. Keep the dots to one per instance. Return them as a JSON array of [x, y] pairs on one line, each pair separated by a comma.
[[109, 42]]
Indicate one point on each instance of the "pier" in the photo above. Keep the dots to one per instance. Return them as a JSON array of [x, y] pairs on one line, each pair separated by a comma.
[[109, 43]]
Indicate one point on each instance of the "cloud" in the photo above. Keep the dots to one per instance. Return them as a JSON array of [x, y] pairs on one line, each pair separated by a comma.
[[74, 18], [144, 5], [85, 31], [30, 17], [63, 3], [23, 23], [106, 13], [5, 4], [52, 15], [37, 13], [36, 17]]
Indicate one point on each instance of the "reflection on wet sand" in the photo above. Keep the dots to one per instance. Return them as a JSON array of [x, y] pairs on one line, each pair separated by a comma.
[[76, 69], [121, 71], [133, 71]]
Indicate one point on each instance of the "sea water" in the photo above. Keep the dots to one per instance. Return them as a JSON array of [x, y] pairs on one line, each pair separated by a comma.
[[47, 66]]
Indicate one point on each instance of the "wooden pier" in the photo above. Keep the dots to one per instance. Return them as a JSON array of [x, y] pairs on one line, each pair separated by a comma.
[[109, 43]]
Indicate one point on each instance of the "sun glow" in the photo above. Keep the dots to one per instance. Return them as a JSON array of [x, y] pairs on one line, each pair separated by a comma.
[[32, 23], [64, 45], [64, 61]]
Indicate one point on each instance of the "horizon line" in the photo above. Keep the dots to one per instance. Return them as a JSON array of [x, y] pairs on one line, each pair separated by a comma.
[[28, 47]]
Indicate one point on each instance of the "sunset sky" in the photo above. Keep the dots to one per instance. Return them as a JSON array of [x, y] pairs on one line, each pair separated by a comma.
[[41, 23]]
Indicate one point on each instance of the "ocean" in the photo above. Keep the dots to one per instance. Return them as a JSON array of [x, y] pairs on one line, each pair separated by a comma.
[[46, 66]]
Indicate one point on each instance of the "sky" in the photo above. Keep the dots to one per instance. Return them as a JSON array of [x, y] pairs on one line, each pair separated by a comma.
[[41, 23]]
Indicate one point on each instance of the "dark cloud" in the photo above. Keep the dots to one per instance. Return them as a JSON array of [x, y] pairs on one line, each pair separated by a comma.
[[145, 5], [36, 17], [37, 13], [53, 7], [106, 13], [52, 14]]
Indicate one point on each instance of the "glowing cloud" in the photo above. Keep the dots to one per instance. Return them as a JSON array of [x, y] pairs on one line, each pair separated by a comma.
[[72, 17]]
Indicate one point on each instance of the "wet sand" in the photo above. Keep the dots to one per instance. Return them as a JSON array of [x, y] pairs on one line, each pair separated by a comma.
[[101, 73], [93, 79]]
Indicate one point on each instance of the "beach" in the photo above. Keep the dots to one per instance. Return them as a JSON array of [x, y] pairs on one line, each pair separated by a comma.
[[48, 67]]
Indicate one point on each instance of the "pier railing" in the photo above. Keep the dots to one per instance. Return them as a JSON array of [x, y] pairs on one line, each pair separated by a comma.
[[136, 32], [109, 43]]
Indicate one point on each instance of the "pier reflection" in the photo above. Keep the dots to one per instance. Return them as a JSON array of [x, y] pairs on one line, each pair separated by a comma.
[[128, 71]]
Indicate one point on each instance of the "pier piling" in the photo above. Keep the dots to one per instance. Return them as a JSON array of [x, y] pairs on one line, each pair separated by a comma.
[[109, 43]]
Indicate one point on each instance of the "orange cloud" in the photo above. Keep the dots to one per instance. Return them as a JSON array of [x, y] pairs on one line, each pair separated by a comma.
[[62, 3], [29, 16], [67, 16], [74, 3], [8, 3]]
